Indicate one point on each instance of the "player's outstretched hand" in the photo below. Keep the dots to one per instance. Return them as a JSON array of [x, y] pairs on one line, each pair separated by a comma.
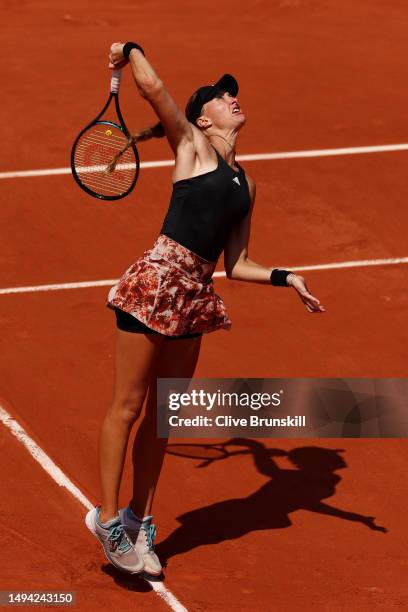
[[370, 522], [116, 59], [298, 283]]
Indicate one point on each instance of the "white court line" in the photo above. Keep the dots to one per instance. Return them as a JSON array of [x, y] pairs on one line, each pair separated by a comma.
[[58, 286], [43, 459], [102, 283], [250, 157], [63, 481]]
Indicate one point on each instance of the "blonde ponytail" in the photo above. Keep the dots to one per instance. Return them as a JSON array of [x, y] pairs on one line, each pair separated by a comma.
[[154, 131]]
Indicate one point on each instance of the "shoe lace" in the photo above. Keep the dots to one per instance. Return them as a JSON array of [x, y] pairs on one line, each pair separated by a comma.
[[150, 531], [118, 539]]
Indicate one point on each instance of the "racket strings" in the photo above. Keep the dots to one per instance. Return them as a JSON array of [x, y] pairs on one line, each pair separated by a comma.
[[93, 155]]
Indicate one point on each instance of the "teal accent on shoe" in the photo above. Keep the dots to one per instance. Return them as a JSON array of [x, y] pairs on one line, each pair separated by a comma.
[[150, 529], [109, 523], [117, 535]]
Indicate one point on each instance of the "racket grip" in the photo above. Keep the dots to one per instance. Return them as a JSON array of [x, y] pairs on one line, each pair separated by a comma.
[[115, 81]]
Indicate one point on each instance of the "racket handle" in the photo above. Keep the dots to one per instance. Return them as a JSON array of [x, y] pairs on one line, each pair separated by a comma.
[[115, 81]]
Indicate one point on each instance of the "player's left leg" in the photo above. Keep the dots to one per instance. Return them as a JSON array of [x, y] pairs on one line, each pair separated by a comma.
[[177, 359]]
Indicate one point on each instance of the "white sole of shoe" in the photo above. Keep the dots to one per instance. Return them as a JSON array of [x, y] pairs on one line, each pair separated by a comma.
[[90, 522], [153, 574]]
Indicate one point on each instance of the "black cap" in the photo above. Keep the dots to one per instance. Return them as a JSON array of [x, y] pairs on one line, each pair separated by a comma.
[[208, 92]]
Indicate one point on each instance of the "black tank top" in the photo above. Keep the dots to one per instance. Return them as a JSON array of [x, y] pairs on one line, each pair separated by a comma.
[[203, 209]]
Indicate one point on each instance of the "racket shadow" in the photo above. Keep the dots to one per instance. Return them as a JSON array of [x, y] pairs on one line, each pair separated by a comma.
[[312, 480], [206, 453]]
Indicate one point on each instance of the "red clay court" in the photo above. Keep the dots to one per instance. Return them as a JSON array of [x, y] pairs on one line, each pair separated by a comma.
[[322, 78]]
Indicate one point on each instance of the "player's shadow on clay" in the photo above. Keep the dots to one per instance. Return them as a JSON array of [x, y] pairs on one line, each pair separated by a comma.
[[287, 490]]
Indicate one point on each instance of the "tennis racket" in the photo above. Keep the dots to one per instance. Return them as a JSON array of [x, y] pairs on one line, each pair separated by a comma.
[[207, 452], [104, 158], [217, 451]]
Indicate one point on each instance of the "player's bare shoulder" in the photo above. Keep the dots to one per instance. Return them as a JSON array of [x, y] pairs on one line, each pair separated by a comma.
[[195, 156], [204, 151]]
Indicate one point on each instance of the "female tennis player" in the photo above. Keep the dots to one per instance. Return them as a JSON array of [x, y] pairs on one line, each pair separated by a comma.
[[165, 301]]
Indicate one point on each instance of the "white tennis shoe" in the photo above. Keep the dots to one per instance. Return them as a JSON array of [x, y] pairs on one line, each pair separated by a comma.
[[117, 546], [142, 534]]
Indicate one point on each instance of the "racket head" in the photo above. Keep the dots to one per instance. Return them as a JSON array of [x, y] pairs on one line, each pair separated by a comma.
[[92, 152]]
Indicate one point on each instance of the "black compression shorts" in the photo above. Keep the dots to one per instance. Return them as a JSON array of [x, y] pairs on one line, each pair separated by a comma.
[[127, 322]]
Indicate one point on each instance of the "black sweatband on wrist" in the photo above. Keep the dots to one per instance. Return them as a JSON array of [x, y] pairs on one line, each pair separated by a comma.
[[127, 47], [278, 277]]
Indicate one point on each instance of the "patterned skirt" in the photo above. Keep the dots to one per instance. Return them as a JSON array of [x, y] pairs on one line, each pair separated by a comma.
[[170, 289]]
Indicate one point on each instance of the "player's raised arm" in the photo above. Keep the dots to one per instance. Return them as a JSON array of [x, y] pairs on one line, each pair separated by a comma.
[[178, 130]]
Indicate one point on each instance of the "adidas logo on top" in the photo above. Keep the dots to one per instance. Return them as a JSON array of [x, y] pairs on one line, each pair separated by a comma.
[[236, 180]]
